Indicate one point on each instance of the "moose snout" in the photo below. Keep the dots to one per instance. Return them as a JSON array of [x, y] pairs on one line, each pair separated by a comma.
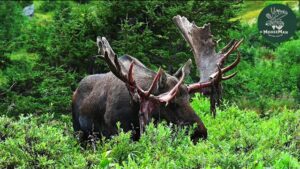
[[199, 133]]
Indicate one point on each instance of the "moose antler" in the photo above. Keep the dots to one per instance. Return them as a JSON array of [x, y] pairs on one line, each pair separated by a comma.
[[208, 61], [148, 101], [118, 70]]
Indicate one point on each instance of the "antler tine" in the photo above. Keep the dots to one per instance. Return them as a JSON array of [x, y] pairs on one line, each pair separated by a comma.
[[236, 62], [234, 46], [229, 76], [132, 83], [238, 44], [152, 86], [142, 92], [168, 96], [130, 76], [230, 50], [154, 82], [230, 44]]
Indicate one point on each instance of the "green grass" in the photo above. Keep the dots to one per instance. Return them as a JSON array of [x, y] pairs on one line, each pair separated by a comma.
[[237, 139]]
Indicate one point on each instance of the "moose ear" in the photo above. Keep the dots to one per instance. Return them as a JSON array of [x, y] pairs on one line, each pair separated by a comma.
[[186, 69], [163, 79]]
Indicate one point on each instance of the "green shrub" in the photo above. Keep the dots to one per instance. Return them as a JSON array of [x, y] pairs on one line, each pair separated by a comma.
[[237, 139], [34, 88], [38, 143], [288, 52]]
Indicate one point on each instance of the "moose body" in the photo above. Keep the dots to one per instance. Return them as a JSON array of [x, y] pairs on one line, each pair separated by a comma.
[[102, 100], [132, 94]]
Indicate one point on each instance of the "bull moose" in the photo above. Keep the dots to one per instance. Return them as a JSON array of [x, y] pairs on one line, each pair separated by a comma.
[[132, 94]]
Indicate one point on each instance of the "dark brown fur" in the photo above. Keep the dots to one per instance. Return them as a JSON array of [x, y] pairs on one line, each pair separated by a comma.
[[102, 100]]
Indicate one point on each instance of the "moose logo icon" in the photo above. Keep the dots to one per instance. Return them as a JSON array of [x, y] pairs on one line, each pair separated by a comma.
[[275, 18], [277, 22]]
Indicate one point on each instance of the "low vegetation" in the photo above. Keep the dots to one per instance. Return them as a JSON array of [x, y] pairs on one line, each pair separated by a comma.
[[237, 138]]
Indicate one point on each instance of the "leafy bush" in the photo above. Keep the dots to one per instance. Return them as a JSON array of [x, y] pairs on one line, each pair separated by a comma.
[[288, 52], [236, 139], [34, 88]]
